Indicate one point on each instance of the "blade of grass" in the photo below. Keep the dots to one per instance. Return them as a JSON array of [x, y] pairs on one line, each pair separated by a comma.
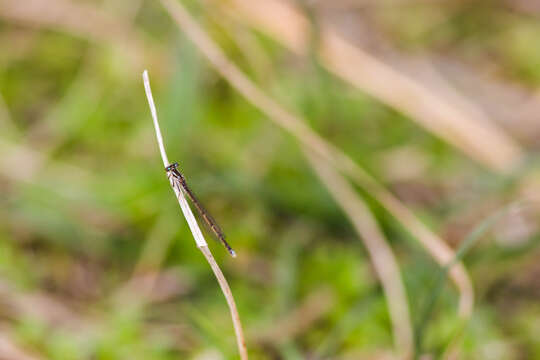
[[84, 20], [470, 131], [331, 154], [196, 231], [380, 253], [9, 349], [470, 240]]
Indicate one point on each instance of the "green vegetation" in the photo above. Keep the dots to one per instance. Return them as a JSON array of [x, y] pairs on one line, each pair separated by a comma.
[[87, 218]]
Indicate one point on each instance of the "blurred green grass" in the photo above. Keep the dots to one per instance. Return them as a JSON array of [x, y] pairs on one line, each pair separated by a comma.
[[82, 203]]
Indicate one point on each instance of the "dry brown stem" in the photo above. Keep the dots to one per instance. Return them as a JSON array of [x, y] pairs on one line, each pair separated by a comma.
[[83, 20], [10, 350], [240, 339], [299, 319], [380, 253], [469, 131], [195, 230], [294, 125]]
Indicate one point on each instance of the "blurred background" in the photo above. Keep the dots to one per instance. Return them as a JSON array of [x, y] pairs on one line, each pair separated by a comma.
[[438, 101]]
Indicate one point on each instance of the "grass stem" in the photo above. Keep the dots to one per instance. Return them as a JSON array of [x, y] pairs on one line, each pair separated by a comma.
[[196, 231]]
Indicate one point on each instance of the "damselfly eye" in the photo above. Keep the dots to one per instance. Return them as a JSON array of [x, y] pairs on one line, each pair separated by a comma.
[[172, 167]]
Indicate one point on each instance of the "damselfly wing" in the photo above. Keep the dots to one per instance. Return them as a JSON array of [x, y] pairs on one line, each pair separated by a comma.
[[180, 183]]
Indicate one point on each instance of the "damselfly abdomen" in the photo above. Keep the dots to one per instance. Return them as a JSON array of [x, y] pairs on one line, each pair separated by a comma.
[[180, 183]]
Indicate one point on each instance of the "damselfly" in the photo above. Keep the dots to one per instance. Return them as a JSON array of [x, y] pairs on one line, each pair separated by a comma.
[[180, 183]]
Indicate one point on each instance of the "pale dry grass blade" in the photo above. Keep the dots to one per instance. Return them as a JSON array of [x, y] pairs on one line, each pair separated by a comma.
[[440, 250], [469, 131], [151, 287], [294, 125], [83, 20], [240, 339], [380, 253], [10, 350], [16, 153], [298, 320], [195, 230], [42, 306]]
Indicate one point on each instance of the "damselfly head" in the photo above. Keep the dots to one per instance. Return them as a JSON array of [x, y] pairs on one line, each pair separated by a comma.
[[171, 167]]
